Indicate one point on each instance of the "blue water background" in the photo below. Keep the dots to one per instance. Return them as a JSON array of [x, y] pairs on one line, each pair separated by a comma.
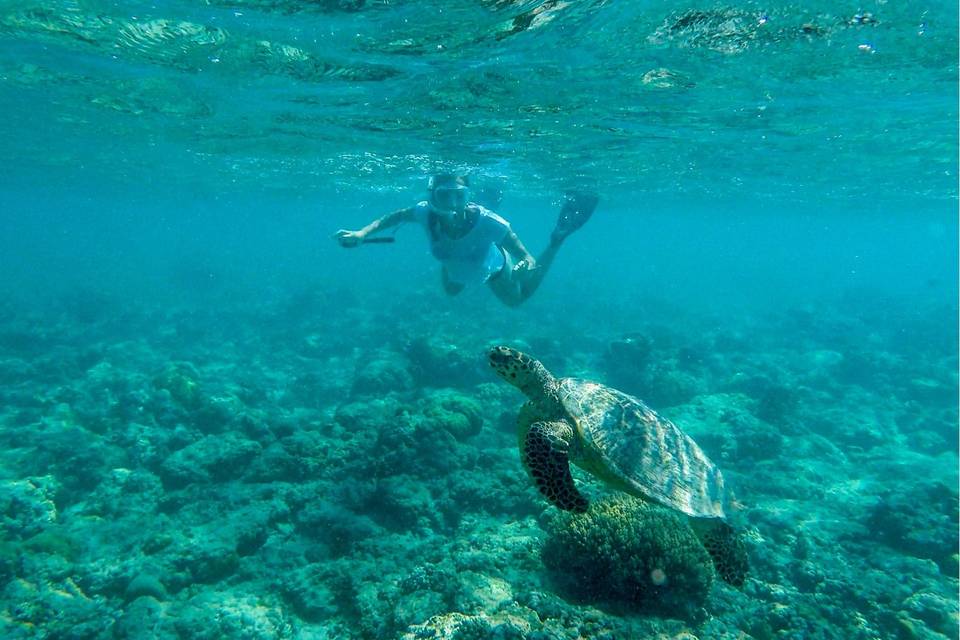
[[148, 243]]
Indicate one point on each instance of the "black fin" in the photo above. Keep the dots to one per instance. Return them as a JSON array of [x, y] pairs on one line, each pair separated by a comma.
[[577, 208]]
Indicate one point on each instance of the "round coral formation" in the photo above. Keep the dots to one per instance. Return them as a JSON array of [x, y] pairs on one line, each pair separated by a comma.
[[181, 381], [384, 374], [630, 553], [459, 414]]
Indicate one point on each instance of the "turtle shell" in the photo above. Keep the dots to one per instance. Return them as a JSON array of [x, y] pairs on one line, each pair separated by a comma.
[[625, 443]]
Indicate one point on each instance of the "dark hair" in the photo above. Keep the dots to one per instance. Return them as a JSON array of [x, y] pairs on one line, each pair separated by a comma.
[[445, 179]]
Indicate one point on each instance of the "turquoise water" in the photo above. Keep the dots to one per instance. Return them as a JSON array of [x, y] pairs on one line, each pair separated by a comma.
[[216, 423]]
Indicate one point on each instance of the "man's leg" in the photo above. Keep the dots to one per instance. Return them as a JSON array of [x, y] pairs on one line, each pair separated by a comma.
[[449, 286], [505, 284], [530, 280], [514, 286]]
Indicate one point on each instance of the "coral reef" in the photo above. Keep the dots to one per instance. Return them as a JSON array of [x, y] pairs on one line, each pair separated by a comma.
[[382, 374], [642, 366], [178, 475], [459, 414], [630, 552], [921, 520]]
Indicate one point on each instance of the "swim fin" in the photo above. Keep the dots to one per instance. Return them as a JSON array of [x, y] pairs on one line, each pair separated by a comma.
[[577, 208]]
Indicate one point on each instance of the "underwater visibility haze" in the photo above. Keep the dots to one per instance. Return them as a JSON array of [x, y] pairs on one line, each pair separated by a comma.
[[216, 422]]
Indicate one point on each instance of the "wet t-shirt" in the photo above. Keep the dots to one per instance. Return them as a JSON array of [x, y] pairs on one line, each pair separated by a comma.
[[476, 256]]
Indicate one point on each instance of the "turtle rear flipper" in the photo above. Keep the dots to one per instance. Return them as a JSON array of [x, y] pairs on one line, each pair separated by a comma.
[[545, 457], [726, 549]]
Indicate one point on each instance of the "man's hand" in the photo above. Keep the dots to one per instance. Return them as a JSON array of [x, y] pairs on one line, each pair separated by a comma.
[[526, 264], [349, 239]]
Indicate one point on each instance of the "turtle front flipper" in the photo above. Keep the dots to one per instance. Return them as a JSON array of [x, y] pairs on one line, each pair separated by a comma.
[[545, 457]]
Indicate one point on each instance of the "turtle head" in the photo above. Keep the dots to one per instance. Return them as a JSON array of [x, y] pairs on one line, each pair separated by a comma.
[[522, 371], [510, 364]]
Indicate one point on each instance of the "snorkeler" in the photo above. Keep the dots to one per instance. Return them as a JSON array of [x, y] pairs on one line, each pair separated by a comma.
[[476, 245]]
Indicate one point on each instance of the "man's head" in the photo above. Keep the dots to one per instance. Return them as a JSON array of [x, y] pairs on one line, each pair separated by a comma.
[[448, 193]]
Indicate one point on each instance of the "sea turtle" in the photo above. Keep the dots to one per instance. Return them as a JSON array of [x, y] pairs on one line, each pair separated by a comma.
[[619, 440]]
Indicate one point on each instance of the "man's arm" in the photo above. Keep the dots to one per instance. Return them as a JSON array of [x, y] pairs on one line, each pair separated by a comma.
[[512, 244], [348, 238]]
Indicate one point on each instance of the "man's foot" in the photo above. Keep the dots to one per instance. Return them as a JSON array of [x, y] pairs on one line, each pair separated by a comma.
[[577, 208]]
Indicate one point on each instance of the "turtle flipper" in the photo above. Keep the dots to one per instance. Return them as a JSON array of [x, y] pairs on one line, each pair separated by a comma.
[[545, 457], [727, 551]]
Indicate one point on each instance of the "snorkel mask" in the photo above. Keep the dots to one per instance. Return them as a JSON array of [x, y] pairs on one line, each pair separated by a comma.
[[448, 195]]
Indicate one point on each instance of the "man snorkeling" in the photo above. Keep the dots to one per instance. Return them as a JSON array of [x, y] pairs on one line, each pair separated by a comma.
[[474, 244]]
